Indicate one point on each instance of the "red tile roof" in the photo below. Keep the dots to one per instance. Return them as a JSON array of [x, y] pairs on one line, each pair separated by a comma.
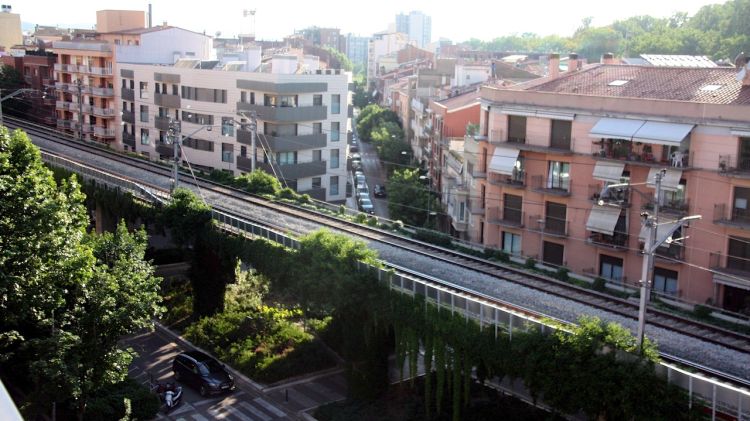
[[664, 83]]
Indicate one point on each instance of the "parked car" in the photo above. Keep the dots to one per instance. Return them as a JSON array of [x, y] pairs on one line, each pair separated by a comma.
[[353, 148], [365, 204], [356, 157], [356, 165], [202, 372], [363, 191], [359, 178], [379, 190]]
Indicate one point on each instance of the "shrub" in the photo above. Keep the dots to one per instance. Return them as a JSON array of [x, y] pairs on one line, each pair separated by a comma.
[[530, 263], [433, 237], [600, 284], [259, 182], [287, 193], [342, 209], [702, 312], [360, 218], [562, 274], [372, 221], [304, 198]]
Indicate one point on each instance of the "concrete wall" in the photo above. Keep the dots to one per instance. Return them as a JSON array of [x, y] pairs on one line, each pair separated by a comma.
[[10, 30], [118, 20]]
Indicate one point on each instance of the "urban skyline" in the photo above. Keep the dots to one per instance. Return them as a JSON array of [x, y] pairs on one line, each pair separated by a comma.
[[274, 22]]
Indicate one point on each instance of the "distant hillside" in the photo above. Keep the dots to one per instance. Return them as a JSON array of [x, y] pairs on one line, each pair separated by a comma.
[[718, 31]]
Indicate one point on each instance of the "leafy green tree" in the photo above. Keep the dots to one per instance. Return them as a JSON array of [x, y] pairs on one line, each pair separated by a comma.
[[342, 59], [388, 138], [10, 78], [408, 198], [371, 117], [361, 98], [259, 182], [187, 217]]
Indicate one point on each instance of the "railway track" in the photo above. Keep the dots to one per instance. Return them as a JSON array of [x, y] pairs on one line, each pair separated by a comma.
[[673, 322]]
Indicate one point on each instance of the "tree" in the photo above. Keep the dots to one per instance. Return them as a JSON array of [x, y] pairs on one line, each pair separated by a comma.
[[388, 138], [187, 217], [409, 198], [259, 182], [341, 58], [10, 78]]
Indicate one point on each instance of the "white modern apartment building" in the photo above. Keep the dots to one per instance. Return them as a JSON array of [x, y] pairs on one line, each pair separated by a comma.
[[382, 44], [302, 118], [417, 26]]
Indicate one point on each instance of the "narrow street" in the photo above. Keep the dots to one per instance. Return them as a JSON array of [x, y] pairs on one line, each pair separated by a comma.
[[374, 174]]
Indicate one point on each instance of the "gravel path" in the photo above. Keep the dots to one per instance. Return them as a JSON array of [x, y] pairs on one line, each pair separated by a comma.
[[704, 353]]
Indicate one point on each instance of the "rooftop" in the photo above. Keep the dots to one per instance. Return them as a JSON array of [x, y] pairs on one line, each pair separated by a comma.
[[716, 85]]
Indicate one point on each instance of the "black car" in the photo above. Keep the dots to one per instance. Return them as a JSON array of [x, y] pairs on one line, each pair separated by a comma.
[[379, 190], [202, 372]]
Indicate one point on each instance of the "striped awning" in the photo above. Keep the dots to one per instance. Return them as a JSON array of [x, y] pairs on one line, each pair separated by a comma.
[[615, 128], [603, 219], [609, 171], [503, 160], [658, 133]]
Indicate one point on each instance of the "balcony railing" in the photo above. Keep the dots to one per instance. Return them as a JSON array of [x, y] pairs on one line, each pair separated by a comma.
[[89, 128], [104, 131], [145, 94], [547, 144], [731, 265], [734, 164], [161, 123], [476, 206], [618, 196], [638, 154], [166, 150], [670, 252], [103, 112], [291, 114], [735, 217], [676, 206], [549, 225], [558, 186], [105, 92], [128, 139], [616, 241], [507, 217], [66, 105], [167, 100], [127, 94], [66, 124], [128, 117], [517, 180], [102, 71]]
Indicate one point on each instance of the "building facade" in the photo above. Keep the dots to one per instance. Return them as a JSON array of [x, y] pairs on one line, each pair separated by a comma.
[[10, 28], [37, 71], [548, 148], [417, 26], [356, 49], [302, 121]]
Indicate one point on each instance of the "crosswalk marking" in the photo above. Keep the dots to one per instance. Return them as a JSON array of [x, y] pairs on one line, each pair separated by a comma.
[[231, 411], [199, 417], [270, 408], [255, 411]]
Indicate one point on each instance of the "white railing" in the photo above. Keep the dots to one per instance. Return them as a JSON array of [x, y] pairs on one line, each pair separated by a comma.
[[104, 131]]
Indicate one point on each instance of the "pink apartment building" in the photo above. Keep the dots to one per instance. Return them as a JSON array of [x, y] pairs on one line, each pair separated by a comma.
[[548, 148]]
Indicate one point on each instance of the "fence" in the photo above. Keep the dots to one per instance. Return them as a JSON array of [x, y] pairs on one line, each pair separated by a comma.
[[718, 398]]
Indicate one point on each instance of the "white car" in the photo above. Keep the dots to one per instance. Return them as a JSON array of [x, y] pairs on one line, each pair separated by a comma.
[[359, 179], [366, 205]]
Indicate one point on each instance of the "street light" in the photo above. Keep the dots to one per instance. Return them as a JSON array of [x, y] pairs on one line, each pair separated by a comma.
[[649, 248]]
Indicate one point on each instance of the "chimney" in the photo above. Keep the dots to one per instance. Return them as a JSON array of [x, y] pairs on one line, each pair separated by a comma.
[[553, 67], [149, 15], [573, 63], [608, 58]]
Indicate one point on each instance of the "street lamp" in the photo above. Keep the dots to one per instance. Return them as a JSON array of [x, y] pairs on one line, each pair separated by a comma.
[[649, 248]]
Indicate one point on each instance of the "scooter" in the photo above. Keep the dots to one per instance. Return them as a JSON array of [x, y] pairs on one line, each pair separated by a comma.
[[169, 394]]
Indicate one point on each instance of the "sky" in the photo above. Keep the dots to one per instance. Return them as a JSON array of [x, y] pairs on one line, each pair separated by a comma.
[[276, 18]]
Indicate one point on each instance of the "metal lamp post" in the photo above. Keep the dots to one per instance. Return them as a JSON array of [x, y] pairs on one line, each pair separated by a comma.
[[653, 241]]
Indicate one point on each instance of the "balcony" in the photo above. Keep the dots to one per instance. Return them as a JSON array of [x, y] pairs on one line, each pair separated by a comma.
[[145, 94], [128, 139], [68, 68], [734, 166], [730, 270], [459, 225], [618, 196], [89, 128], [505, 217], [102, 112], [161, 123], [101, 71], [127, 94], [670, 253], [677, 207], [167, 100], [128, 117], [286, 114], [618, 241], [286, 143], [517, 180], [476, 206], [557, 186], [102, 92], [639, 154], [65, 105], [554, 227], [733, 218], [296, 171], [103, 131], [67, 124], [543, 145]]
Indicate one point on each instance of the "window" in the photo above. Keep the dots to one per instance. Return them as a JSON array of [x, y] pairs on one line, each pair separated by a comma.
[[175, 90], [554, 220], [195, 118], [317, 128], [317, 155], [462, 211], [553, 253], [741, 208], [739, 254], [559, 175], [144, 137], [279, 130], [743, 161], [280, 100], [144, 90], [335, 104], [203, 94], [516, 129], [334, 185], [511, 243], [162, 136], [512, 205], [227, 152], [318, 99], [163, 112], [665, 281], [334, 158], [252, 97], [199, 144], [227, 126], [144, 113], [124, 82], [316, 183], [610, 267], [243, 151], [286, 158], [561, 133], [243, 97], [132, 84], [335, 134]]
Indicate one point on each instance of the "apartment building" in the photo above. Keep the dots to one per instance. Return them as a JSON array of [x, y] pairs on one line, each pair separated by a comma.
[[302, 119], [380, 45], [547, 149], [417, 26], [37, 70], [10, 28]]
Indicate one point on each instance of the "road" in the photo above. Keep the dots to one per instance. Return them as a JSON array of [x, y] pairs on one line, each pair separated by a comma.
[[374, 174], [247, 403]]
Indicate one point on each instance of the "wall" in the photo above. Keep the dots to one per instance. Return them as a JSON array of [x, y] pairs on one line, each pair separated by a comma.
[[10, 30], [159, 47], [118, 20]]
